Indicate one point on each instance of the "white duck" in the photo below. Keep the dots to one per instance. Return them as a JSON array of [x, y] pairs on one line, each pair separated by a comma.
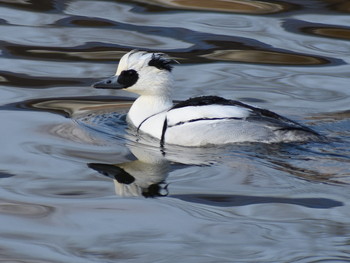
[[207, 120]]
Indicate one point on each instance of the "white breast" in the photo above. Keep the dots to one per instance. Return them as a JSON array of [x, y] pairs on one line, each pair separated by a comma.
[[153, 125]]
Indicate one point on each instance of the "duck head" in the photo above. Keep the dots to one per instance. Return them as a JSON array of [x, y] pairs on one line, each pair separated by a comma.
[[142, 73]]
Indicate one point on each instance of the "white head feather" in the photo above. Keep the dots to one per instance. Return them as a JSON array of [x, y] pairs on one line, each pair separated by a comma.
[[153, 70]]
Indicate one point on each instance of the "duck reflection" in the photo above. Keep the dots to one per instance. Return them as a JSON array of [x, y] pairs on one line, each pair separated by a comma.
[[147, 175], [142, 177]]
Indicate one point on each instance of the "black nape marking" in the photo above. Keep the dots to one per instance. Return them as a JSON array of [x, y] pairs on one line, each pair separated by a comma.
[[127, 78], [160, 62]]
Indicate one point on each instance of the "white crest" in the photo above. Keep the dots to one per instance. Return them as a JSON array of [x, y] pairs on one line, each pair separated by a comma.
[[153, 71]]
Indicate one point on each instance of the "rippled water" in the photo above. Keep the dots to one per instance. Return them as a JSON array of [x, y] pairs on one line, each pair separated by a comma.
[[76, 186]]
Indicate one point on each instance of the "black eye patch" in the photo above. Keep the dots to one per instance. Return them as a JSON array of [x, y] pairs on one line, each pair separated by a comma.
[[128, 78]]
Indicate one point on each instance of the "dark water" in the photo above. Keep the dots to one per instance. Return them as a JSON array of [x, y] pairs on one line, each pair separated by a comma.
[[62, 141]]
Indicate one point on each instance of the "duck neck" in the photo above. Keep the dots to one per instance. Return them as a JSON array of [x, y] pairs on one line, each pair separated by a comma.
[[147, 105]]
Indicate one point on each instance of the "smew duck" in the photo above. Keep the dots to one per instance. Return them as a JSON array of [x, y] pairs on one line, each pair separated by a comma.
[[199, 121]]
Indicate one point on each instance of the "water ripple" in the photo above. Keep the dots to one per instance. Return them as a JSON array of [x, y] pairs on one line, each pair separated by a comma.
[[26, 210], [222, 200]]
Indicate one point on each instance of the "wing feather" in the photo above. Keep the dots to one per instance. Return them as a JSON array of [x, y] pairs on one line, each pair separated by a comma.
[[215, 108]]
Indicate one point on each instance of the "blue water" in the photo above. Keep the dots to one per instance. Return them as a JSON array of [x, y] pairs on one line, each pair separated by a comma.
[[78, 186]]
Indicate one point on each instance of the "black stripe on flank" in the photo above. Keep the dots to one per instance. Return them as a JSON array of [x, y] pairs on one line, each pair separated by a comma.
[[209, 100], [205, 119], [165, 126]]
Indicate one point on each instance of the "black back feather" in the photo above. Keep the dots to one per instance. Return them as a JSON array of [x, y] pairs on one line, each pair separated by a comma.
[[256, 114]]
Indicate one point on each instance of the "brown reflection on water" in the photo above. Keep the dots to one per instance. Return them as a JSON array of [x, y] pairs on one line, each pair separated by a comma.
[[25, 209], [260, 56], [339, 5], [26, 81], [333, 32], [25, 2], [73, 107], [89, 52], [332, 116], [233, 6], [90, 55], [37, 5]]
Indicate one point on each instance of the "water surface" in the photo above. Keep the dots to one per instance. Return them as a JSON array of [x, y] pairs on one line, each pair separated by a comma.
[[76, 186]]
